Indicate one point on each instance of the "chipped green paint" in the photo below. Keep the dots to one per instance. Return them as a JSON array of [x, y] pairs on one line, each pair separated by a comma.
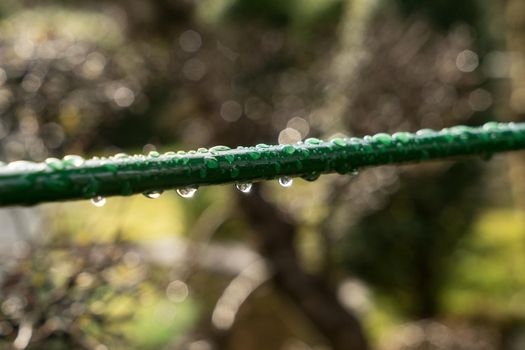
[[26, 183]]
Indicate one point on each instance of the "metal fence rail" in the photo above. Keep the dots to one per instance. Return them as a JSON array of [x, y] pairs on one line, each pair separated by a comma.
[[26, 183]]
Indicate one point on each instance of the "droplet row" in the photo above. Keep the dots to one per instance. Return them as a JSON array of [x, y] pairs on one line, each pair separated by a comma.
[[190, 191]]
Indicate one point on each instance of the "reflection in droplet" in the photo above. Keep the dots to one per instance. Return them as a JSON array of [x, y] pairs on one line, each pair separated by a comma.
[[286, 181], [244, 187], [186, 192], [98, 201], [153, 194]]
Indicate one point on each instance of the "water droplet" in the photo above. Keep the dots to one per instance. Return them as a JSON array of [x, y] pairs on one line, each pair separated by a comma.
[[458, 129], [202, 150], [289, 149], [354, 171], [154, 154], [383, 139], [490, 126], [312, 176], [262, 146], [313, 141], [219, 148], [169, 154], [338, 142], [285, 181], [187, 192], [245, 187], [121, 156], [153, 194], [402, 137], [98, 201], [211, 162], [254, 155], [54, 163], [73, 160], [425, 132]]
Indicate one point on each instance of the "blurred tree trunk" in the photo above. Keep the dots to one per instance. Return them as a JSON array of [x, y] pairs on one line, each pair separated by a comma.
[[311, 294], [515, 35], [515, 19]]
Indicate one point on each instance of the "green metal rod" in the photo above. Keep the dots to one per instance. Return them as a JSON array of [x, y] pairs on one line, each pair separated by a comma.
[[27, 183]]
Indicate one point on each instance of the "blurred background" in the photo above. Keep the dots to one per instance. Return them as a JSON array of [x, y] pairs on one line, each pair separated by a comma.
[[430, 256]]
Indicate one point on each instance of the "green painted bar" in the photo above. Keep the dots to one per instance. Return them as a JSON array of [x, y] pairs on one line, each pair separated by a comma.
[[27, 183]]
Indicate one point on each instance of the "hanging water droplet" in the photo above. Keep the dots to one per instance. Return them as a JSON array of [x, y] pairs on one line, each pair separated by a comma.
[[153, 194], [311, 176], [98, 201], [245, 187], [285, 181], [186, 192]]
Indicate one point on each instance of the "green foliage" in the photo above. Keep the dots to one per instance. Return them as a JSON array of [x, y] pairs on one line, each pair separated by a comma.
[[302, 14], [443, 13], [403, 249]]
